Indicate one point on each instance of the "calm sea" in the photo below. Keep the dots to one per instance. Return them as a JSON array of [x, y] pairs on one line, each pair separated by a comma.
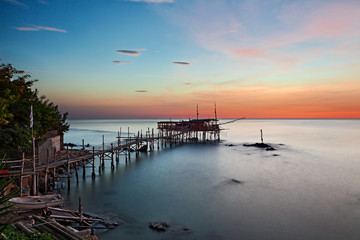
[[307, 189]]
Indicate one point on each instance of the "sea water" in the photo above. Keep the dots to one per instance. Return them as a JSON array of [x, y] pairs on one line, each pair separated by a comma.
[[308, 188]]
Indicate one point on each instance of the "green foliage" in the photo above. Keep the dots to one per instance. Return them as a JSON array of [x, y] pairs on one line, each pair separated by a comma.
[[6, 209], [11, 233], [16, 98]]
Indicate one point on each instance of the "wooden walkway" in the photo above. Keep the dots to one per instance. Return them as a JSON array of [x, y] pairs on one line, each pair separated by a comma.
[[72, 159]]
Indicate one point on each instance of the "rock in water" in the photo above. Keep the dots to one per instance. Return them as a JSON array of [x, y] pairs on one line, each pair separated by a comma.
[[237, 181], [159, 226], [270, 149], [261, 145]]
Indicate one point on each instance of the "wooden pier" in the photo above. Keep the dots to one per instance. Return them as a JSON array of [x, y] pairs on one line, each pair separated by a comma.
[[169, 133]]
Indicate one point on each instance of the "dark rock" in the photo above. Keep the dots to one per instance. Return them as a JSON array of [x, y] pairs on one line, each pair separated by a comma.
[[276, 155], [70, 145], [270, 149], [229, 145], [159, 226], [237, 181], [261, 145]]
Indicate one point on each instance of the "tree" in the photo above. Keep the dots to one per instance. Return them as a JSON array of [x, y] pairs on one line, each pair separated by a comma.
[[5, 208], [16, 98]]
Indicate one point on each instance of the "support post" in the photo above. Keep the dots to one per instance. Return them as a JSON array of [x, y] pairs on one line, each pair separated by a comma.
[[54, 176], [84, 168], [68, 174], [22, 171], [103, 154], [76, 172], [112, 157], [158, 141], [93, 163], [128, 147]]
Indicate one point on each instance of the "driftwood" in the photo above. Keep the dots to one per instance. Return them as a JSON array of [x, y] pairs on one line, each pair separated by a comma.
[[75, 218], [57, 228], [22, 228]]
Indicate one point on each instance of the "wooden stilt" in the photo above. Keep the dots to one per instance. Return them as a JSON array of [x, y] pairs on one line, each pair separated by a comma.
[[38, 182], [22, 171], [112, 157], [68, 174], [103, 154], [76, 172], [54, 177], [93, 163], [84, 168], [128, 148], [158, 141]]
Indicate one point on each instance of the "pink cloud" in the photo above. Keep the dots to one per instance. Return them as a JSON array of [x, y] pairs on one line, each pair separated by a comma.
[[51, 29], [334, 20], [247, 52], [306, 22]]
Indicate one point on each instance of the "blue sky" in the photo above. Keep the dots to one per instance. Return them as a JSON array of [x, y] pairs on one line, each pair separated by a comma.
[[254, 58]]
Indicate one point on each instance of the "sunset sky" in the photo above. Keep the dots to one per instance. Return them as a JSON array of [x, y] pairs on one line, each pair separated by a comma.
[[161, 58]]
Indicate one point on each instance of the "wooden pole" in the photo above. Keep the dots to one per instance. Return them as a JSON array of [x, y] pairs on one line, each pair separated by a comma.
[[84, 168], [38, 182], [76, 172], [158, 141], [54, 176], [112, 157], [68, 173], [137, 145], [33, 151], [22, 171], [152, 140], [103, 154], [93, 163], [128, 147], [262, 140]]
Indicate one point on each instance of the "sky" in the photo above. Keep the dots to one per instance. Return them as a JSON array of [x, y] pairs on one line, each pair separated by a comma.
[[162, 58]]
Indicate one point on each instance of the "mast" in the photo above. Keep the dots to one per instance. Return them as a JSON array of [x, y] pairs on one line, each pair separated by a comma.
[[215, 112], [197, 112], [33, 148]]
